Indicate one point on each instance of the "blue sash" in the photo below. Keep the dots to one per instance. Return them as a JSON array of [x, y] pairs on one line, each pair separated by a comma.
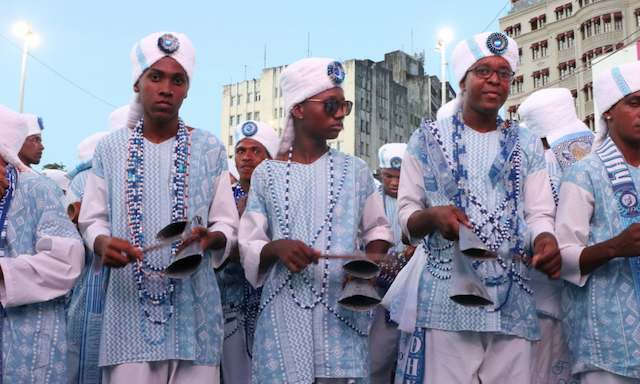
[[4, 208], [626, 195], [81, 167]]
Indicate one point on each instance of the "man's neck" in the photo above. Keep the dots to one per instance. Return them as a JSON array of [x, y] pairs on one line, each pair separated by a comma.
[[630, 151], [159, 131], [245, 185], [307, 151], [480, 122]]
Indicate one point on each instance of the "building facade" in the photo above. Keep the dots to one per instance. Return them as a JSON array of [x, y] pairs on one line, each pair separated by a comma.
[[560, 40], [390, 99]]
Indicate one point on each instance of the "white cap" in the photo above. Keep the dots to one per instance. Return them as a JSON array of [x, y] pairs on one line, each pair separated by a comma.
[[391, 155], [260, 132]]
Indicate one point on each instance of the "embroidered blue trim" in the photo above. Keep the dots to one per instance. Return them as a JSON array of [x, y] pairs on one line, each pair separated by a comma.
[[475, 49], [141, 59], [620, 81], [41, 123]]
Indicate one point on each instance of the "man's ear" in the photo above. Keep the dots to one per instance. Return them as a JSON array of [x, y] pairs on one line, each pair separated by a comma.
[[298, 111]]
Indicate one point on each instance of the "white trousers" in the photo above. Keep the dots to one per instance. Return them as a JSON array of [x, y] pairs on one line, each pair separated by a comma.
[[553, 360], [467, 357], [383, 346], [604, 377], [161, 372], [235, 363]]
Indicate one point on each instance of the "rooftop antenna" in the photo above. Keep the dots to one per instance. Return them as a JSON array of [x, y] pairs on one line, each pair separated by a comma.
[[245, 72], [265, 56]]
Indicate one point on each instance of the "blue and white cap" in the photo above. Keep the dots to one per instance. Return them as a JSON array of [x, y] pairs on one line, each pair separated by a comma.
[[13, 128], [34, 123], [391, 155], [611, 86], [261, 132]]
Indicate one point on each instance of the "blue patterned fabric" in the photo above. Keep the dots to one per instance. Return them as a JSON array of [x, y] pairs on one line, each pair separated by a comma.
[[391, 210], [294, 344], [435, 310], [602, 318], [34, 338], [84, 313], [194, 331]]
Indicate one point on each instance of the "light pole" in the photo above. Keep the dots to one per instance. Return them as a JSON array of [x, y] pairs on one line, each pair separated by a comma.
[[445, 35], [21, 29]]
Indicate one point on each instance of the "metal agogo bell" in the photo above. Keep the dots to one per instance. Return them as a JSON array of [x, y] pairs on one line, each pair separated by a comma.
[[466, 287]]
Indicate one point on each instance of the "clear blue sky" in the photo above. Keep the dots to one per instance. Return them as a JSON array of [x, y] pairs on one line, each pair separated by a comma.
[[89, 43]]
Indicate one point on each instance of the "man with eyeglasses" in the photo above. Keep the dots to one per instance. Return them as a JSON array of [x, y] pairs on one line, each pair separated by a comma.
[[306, 210], [475, 169], [31, 151]]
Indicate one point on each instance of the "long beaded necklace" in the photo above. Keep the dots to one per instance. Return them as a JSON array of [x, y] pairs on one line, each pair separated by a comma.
[[510, 230], [134, 190]]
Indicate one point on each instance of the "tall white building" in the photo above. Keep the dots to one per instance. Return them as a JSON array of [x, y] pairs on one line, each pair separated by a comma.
[[559, 40], [390, 99]]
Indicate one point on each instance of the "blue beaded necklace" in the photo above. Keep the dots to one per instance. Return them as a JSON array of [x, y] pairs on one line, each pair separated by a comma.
[[134, 192]]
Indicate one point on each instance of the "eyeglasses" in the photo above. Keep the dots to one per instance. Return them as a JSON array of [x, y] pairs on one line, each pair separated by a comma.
[[332, 106], [487, 72]]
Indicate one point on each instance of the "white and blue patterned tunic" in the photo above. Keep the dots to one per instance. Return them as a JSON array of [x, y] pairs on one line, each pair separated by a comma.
[[601, 315], [435, 309], [194, 331], [293, 344], [43, 259]]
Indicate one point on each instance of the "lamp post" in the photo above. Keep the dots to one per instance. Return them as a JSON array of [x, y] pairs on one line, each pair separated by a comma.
[[21, 29], [445, 35]]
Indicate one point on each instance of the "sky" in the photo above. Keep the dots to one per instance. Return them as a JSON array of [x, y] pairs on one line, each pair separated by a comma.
[[89, 42]]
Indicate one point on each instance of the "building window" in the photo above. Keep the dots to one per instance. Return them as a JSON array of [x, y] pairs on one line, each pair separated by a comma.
[[509, 31], [517, 30], [534, 23], [232, 121], [249, 97], [275, 92], [232, 101], [257, 96], [617, 21], [537, 82], [543, 49], [275, 113], [568, 8], [637, 13], [562, 70], [535, 50], [513, 114], [256, 116], [559, 13], [571, 42], [518, 85], [238, 119], [587, 90], [249, 116], [596, 26], [589, 29], [239, 99], [574, 93], [545, 76], [542, 19], [562, 45], [280, 112]]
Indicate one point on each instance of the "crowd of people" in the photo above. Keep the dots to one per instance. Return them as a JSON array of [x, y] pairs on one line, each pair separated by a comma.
[[160, 259]]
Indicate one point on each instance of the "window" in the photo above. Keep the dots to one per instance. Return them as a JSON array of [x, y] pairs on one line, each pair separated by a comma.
[[275, 92], [257, 96], [562, 70], [545, 76], [249, 97], [568, 8], [233, 101], [562, 45], [637, 13], [589, 29], [519, 56], [607, 22], [543, 49], [517, 85], [520, 84], [596, 26], [239, 99], [534, 23], [559, 13], [574, 93], [513, 114], [249, 116], [537, 82], [238, 119], [542, 19], [571, 42], [256, 116], [280, 112], [275, 113], [517, 30], [535, 50], [587, 91], [509, 31], [232, 121], [617, 21]]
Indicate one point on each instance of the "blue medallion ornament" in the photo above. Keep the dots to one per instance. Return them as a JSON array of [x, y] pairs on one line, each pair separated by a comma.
[[335, 70], [249, 128], [40, 123], [396, 162], [497, 43], [168, 43]]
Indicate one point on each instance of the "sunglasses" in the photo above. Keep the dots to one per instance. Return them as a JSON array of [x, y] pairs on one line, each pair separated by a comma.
[[486, 72], [332, 106]]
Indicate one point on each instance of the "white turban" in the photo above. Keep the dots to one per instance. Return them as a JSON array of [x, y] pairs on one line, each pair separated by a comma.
[[60, 177], [34, 124], [118, 118], [391, 155], [233, 170], [610, 87], [148, 51], [13, 129], [301, 80], [475, 48], [260, 132], [551, 113], [88, 146]]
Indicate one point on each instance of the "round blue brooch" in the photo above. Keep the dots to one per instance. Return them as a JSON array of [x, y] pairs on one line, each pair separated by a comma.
[[335, 70], [395, 162], [627, 202], [249, 128], [168, 43], [41, 123], [497, 43]]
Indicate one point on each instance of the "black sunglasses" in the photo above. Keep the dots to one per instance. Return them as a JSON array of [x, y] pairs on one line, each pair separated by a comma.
[[332, 106]]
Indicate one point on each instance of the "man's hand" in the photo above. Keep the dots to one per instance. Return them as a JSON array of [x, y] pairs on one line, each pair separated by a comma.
[[294, 254], [115, 252], [546, 256], [447, 219]]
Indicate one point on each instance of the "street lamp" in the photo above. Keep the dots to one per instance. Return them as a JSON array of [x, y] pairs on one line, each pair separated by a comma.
[[445, 35], [22, 30]]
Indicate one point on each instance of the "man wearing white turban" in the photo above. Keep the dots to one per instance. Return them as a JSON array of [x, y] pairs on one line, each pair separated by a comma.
[[41, 256], [598, 230], [313, 201], [253, 142], [472, 168], [550, 113], [159, 329], [31, 151]]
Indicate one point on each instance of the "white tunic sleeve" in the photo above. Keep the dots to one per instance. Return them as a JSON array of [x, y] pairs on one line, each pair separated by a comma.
[[223, 217], [253, 235], [94, 215], [412, 196], [575, 208], [50, 273], [375, 224], [539, 204]]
